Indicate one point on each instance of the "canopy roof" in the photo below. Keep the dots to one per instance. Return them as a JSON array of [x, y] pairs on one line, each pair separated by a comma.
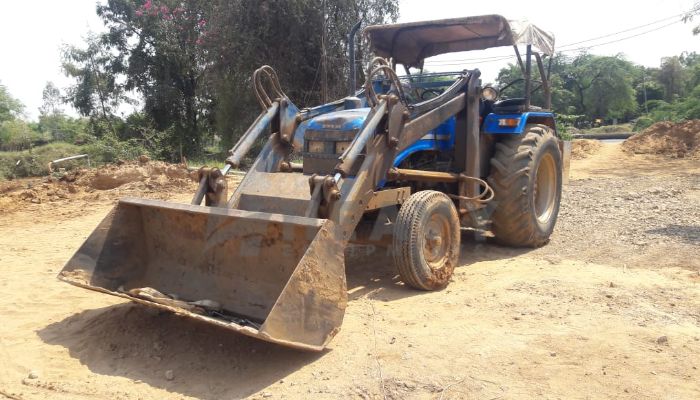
[[411, 43]]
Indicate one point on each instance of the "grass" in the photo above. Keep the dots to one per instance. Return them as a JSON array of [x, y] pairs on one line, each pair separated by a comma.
[[34, 162], [619, 128]]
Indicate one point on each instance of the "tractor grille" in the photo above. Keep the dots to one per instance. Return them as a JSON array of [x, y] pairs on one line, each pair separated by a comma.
[[322, 148]]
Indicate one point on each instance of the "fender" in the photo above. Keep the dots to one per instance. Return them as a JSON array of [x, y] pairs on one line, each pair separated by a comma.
[[491, 122]]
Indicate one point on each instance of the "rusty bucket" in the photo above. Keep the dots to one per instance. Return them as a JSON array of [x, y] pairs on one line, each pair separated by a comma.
[[275, 277]]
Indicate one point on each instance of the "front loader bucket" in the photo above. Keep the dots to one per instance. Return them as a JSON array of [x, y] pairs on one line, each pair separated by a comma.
[[276, 277]]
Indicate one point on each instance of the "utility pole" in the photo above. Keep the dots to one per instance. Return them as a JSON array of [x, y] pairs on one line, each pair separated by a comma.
[[644, 87], [324, 67]]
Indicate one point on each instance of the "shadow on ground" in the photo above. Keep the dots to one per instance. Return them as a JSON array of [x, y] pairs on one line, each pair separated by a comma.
[[370, 270], [207, 362], [687, 233]]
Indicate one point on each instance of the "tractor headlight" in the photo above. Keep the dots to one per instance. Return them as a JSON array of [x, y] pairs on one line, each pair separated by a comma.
[[489, 93]]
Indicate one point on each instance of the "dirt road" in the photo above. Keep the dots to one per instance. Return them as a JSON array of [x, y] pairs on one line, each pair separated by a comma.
[[609, 309]]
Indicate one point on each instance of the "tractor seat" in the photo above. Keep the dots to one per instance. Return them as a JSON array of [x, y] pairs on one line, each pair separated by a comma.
[[513, 106]]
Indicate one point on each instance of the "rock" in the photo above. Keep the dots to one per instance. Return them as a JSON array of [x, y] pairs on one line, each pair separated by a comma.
[[553, 354], [663, 340], [169, 375], [266, 394], [33, 375]]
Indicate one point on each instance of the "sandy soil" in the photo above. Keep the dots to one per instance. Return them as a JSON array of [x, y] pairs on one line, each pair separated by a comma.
[[588, 316]]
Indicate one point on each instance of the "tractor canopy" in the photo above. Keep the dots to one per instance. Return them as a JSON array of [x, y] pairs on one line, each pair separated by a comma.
[[410, 43]]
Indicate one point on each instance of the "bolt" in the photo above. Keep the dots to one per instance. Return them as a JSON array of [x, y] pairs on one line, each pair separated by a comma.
[[393, 142]]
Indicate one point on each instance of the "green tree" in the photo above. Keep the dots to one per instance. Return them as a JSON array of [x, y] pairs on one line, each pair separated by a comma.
[[304, 40], [10, 108], [671, 76], [688, 17], [97, 93], [52, 100], [602, 85], [159, 42]]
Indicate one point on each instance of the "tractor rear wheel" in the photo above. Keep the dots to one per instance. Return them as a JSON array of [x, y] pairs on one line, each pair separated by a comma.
[[526, 178], [426, 240]]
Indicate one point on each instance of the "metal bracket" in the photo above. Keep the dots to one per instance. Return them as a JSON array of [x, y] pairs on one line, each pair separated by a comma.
[[397, 116], [388, 197], [288, 120], [324, 193], [213, 187]]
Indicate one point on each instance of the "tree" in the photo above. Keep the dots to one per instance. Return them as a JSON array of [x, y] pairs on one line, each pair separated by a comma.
[[688, 17], [96, 93], [304, 40], [192, 60], [10, 108], [602, 85], [671, 77], [159, 43], [52, 100]]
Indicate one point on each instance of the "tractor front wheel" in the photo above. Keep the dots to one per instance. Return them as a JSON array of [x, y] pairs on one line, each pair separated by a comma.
[[426, 240]]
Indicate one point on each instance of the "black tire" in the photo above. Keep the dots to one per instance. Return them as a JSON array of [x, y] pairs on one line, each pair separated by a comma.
[[426, 240], [526, 179]]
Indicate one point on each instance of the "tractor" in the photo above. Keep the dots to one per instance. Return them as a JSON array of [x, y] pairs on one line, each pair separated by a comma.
[[407, 162]]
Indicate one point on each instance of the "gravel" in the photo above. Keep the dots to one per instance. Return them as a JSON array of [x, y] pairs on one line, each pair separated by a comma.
[[618, 218]]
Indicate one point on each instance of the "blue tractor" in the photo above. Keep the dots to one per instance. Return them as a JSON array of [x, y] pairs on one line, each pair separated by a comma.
[[407, 162]]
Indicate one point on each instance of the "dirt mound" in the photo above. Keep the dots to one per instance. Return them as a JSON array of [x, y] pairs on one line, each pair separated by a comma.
[[669, 139], [141, 179], [150, 173], [582, 148]]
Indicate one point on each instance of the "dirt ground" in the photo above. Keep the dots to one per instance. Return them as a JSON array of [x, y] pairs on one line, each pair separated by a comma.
[[610, 308]]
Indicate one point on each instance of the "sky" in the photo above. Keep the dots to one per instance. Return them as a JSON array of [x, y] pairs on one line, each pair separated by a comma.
[[32, 33]]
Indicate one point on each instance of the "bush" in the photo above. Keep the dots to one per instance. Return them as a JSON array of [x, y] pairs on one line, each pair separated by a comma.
[[642, 123], [619, 128], [109, 149], [35, 161], [18, 135], [63, 128]]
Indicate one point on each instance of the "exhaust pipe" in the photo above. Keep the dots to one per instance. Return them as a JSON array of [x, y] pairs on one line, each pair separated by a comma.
[[351, 54]]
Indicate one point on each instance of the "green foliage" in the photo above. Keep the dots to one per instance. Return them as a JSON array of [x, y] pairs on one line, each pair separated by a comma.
[[642, 123], [16, 134], [618, 128], [10, 108], [60, 127], [191, 62], [611, 88], [566, 125], [97, 92], [52, 100], [110, 149], [34, 162], [687, 108]]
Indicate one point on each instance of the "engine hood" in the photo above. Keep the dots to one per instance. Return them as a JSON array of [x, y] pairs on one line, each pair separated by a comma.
[[345, 120]]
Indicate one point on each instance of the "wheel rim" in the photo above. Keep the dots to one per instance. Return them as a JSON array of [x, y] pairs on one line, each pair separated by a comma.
[[436, 241], [545, 188]]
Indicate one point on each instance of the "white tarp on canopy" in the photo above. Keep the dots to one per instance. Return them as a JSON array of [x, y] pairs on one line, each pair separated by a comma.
[[411, 43]]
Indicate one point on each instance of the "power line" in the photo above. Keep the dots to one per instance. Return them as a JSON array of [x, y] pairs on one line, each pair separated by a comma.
[[621, 39], [624, 31], [501, 58]]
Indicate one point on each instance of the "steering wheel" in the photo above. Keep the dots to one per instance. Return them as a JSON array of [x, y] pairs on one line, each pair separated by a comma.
[[509, 84], [435, 93]]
